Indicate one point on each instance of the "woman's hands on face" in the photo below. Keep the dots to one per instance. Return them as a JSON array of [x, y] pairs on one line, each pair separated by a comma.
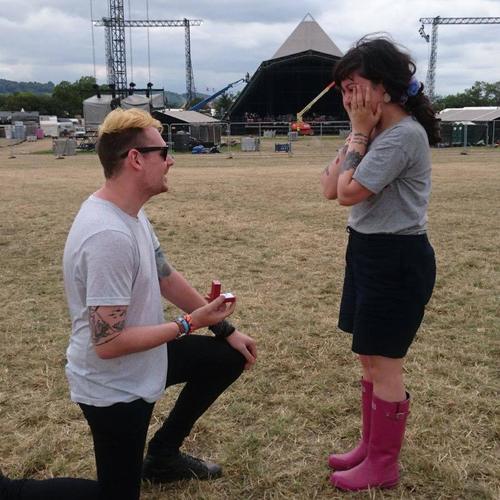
[[361, 113]]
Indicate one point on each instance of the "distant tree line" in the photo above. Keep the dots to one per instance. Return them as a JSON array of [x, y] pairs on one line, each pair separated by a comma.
[[223, 103], [480, 94], [66, 99], [9, 87]]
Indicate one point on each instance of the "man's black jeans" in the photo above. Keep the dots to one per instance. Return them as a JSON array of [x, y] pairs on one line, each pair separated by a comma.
[[207, 365], [61, 488]]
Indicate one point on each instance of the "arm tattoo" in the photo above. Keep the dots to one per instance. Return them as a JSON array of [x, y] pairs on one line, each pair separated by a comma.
[[352, 160], [162, 266], [327, 170], [104, 330], [357, 140]]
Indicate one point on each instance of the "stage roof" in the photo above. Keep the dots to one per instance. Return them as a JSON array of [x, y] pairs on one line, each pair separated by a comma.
[[308, 35], [472, 114], [298, 71]]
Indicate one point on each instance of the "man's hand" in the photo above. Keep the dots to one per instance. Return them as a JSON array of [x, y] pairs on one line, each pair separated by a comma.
[[212, 313], [245, 345]]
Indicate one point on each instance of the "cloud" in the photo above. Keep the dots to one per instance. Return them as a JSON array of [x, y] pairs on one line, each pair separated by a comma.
[[51, 39]]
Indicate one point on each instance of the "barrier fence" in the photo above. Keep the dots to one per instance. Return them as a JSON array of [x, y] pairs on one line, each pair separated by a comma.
[[250, 137], [283, 137], [247, 137], [470, 133]]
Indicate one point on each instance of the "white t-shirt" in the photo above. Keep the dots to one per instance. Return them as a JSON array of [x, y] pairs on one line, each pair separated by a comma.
[[109, 259]]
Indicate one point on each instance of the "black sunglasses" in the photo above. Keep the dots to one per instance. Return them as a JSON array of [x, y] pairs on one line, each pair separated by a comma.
[[149, 149]]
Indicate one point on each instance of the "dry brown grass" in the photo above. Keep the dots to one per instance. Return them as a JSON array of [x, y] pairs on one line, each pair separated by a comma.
[[258, 223]]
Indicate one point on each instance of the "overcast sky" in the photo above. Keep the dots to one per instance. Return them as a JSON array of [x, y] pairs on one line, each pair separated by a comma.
[[46, 40]]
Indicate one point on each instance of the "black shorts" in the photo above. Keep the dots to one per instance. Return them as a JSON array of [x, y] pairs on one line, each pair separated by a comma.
[[388, 281]]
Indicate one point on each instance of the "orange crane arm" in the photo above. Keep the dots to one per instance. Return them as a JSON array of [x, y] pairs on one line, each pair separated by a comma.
[[313, 102]]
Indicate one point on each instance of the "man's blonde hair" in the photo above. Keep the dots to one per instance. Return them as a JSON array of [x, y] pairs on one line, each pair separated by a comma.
[[123, 119], [122, 130]]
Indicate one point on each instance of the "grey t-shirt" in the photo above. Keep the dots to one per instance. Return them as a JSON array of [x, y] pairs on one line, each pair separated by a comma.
[[109, 259], [397, 169]]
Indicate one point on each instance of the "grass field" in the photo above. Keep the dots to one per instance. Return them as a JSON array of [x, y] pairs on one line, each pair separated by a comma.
[[258, 223]]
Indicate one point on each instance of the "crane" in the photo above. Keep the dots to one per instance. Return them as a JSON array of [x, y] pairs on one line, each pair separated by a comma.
[[201, 104], [116, 61], [436, 21], [299, 125]]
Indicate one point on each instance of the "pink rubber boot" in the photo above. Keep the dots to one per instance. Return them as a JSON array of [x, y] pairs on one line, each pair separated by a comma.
[[380, 468], [354, 457]]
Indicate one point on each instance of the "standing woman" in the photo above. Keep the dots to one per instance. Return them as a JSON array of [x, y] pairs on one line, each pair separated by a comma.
[[384, 173]]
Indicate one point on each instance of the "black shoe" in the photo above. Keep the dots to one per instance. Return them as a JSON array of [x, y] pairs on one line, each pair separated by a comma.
[[175, 467]]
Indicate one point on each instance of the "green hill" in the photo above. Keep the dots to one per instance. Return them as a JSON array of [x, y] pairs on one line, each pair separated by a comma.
[[175, 100], [10, 87], [178, 100], [7, 87]]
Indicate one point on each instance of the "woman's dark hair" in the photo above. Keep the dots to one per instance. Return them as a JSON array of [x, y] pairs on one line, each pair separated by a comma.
[[380, 60]]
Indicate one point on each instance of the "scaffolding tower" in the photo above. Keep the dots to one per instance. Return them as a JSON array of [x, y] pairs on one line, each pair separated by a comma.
[[116, 61], [433, 38], [190, 90]]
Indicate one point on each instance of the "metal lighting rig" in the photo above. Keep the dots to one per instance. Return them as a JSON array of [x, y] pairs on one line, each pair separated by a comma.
[[436, 21], [116, 60]]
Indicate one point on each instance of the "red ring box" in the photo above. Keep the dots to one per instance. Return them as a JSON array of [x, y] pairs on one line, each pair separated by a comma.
[[229, 297], [216, 288]]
